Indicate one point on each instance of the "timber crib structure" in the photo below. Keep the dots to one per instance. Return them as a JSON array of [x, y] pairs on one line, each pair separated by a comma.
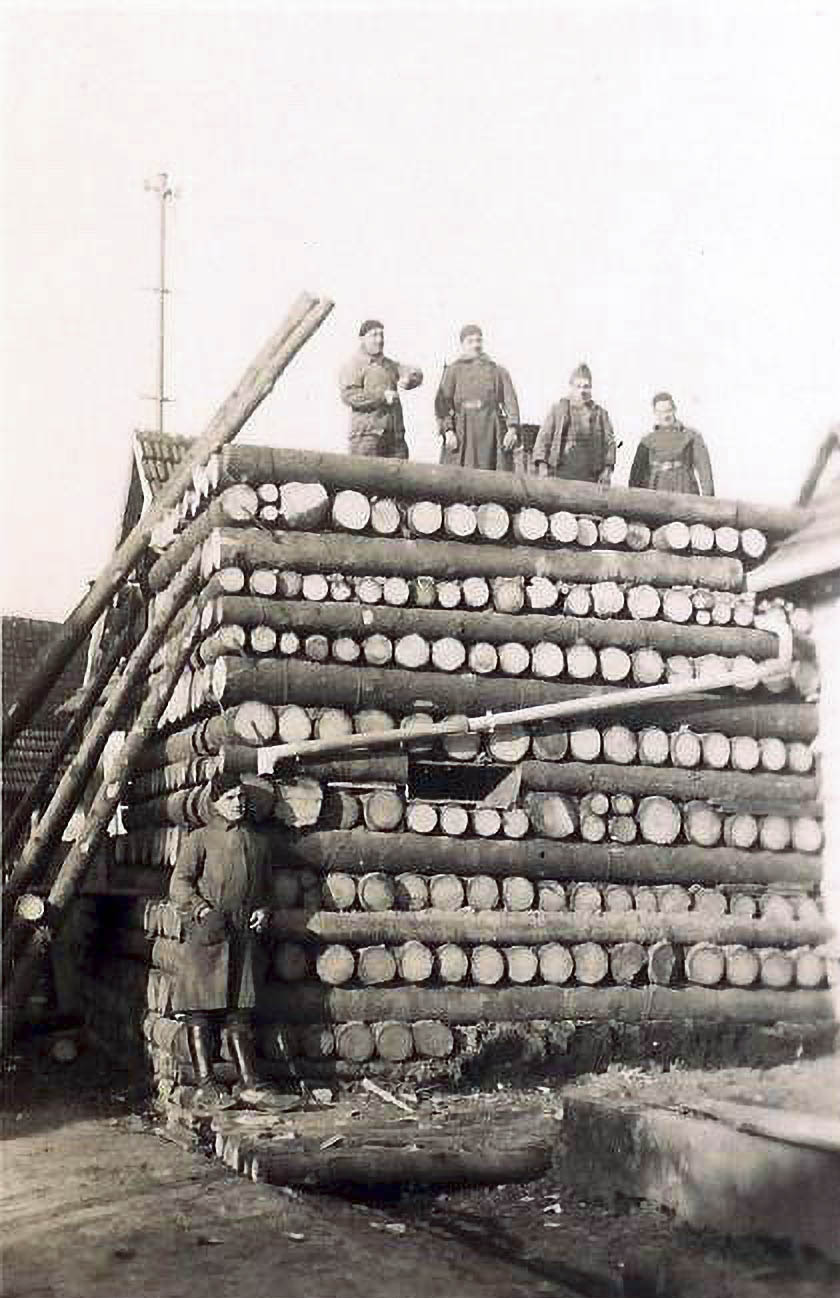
[[440, 886]]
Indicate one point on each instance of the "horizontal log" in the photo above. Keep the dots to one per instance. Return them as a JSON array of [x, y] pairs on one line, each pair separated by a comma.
[[733, 787], [399, 479], [538, 858], [466, 1005], [326, 552], [526, 628], [318, 684], [251, 723], [469, 928]]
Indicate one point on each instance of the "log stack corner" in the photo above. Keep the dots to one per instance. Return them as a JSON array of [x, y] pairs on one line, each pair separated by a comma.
[[651, 870]]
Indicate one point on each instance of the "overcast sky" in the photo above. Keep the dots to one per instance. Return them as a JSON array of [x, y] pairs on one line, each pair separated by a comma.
[[652, 187]]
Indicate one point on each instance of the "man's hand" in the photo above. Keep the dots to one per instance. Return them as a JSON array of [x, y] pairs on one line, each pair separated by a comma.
[[390, 396], [450, 440], [260, 920], [511, 439], [605, 477], [202, 911]]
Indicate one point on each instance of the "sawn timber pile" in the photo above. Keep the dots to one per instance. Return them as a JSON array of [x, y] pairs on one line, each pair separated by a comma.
[[652, 865]]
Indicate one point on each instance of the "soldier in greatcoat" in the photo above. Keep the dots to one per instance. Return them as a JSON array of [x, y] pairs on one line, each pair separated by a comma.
[[369, 384], [672, 457], [576, 439], [221, 885], [477, 409]]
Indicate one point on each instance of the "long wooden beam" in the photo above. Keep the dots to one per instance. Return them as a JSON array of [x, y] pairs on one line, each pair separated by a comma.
[[360, 850], [256, 464], [736, 787], [249, 548], [316, 1003], [471, 928], [304, 318], [497, 628]]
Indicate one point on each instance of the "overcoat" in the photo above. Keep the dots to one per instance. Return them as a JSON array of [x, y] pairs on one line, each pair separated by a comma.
[[224, 866], [477, 401], [673, 459]]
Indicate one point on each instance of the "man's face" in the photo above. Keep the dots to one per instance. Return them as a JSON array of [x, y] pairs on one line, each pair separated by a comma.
[[230, 805], [580, 390], [374, 342], [665, 414], [472, 344]]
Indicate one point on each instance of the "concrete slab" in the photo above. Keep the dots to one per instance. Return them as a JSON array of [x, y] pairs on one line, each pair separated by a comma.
[[705, 1171]]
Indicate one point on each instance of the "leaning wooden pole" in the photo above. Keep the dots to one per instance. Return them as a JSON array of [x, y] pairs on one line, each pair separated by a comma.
[[70, 786], [36, 793], [304, 318], [17, 985]]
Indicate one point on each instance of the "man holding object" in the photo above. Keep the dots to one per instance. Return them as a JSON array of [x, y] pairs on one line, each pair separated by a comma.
[[221, 885], [369, 384]]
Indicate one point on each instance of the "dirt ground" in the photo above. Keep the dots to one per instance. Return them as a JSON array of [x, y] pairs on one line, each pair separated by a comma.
[[95, 1203]]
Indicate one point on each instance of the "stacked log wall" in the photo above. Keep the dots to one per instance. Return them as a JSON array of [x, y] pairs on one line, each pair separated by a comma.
[[655, 865]]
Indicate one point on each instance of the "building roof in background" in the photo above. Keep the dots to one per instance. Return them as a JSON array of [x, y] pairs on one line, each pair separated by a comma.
[[813, 552], [157, 455], [24, 640]]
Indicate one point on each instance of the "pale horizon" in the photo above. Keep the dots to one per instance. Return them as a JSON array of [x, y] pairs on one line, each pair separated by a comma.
[[650, 187]]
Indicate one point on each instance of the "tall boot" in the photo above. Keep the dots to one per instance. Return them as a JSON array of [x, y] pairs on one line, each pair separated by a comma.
[[252, 1092], [210, 1094]]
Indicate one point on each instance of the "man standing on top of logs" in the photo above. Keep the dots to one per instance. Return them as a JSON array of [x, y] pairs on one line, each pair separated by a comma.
[[477, 409], [368, 384], [672, 457], [576, 439], [221, 885]]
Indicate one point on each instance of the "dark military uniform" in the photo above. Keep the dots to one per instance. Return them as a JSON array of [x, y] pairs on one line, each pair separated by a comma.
[[673, 459], [477, 401], [224, 866]]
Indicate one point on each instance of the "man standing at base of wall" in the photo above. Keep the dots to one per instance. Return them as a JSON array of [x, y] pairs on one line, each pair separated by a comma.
[[369, 384], [672, 457], [477, 409], [576, 439], [221, 885]]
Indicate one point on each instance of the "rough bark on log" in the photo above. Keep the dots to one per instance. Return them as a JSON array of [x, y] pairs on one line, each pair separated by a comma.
[[357, 851], [314, 552]]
